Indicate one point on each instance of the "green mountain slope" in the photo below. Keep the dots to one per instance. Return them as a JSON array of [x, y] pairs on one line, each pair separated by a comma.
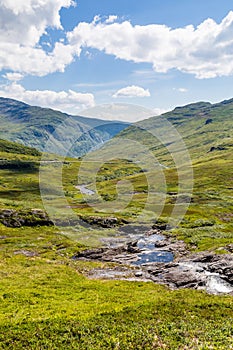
[[33, 126], [47, 302], [17, 148], [207, 132], [203, 127]]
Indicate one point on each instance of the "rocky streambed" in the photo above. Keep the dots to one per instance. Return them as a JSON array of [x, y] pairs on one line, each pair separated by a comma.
[[152, 256]]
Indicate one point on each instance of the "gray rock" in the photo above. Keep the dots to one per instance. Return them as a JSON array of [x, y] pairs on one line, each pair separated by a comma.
[[25, 253], [33, 217], [205, 270], [180, 278]]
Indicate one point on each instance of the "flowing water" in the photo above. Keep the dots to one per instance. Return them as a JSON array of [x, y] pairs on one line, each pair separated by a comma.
[[146, 243], [149, 254], [84, 190]]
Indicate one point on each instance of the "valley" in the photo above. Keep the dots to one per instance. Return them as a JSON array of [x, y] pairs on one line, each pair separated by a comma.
[[56, 295]]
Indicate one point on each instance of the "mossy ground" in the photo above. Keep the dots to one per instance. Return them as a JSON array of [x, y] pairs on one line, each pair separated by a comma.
[[48, 303]]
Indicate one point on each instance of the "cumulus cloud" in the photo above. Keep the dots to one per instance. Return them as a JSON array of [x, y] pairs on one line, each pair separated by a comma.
[[13, 76], [67, 101], [111, 19], [205, 51], [23, 22], [35, 61], [132, 91]]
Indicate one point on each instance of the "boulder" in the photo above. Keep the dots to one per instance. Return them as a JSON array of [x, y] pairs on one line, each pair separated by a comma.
[[33, 217]]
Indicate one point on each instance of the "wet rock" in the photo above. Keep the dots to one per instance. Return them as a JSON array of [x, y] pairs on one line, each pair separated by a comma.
[[205, 271], [132, 247], [180, 278], [161, 244], [162, 226], [119, 254], [223, 265], [203, 257], [169, 244], [153, 231], [138, 274], [159, 268]]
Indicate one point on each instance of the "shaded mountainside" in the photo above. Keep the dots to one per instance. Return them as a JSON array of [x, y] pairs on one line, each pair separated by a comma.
[[17, 148], [33, 126], [16, 157]]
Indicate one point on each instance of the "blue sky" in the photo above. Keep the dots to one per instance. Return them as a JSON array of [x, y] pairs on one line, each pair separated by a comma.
[[72, 55]]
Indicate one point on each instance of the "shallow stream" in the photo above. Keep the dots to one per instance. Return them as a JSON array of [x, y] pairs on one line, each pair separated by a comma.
[[214, 282]]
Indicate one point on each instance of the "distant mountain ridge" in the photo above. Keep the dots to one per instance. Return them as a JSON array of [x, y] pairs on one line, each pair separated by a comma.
[[33, 126], [203, 126]]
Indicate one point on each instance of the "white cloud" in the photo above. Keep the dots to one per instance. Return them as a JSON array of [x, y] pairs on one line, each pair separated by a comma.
[[132, 91], [111, 19], [119, 111], [35, 61], [159, 111], [96, 19], [183, 90], [205, 51], [24, 21], [22, 24], [13, 76], [89, 55], [66, 101]]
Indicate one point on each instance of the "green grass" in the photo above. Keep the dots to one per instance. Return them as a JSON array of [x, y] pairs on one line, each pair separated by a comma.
[[16, 148], [211, 199], [47, 303]]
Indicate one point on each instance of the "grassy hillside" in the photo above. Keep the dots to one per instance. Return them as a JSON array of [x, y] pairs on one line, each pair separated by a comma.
[[47, 303], [205, 128], [16, 148], [46, 300], [33, 126], [207, 131]]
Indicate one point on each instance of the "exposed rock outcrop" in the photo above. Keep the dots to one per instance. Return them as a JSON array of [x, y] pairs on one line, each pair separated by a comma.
[[104, 222], [204, 271], [18, 218]]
